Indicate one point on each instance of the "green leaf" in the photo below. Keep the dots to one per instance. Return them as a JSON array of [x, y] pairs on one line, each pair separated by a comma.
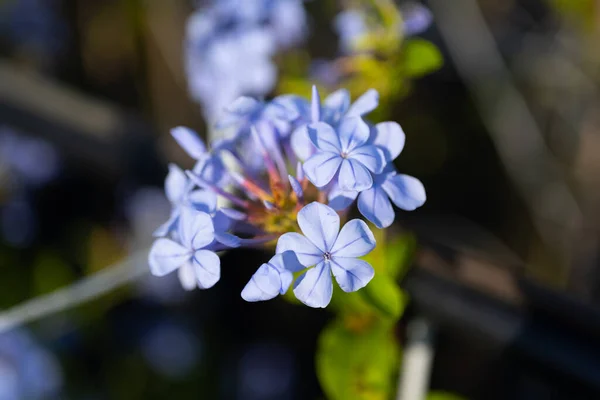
[[438, 395], [357, 365], [399, 253], [384, 295], [421, 57]]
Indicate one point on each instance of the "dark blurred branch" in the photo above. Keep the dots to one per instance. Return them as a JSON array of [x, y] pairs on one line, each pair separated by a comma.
[[528, 161]]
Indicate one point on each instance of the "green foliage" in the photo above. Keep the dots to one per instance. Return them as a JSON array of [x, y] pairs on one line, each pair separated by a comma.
[[384, 295], [358, 363], [421, 58], [438, 395]]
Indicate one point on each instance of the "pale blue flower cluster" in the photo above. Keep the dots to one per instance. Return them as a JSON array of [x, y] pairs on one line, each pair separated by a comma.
[[290, 157], [230, 44]]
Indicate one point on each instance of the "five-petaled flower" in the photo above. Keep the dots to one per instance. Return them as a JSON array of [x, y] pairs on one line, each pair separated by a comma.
[[329, 250]]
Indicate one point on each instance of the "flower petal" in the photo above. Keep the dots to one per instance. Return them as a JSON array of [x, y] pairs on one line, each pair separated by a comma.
[[315, 105], [301, 143], [187, 276], [203, 200], [371, 157], [265, 284], [355, 240], [307, 253], [176, 184], [314, 288], [364, 104], [195, 229], [169, 225], [351, 273], [166, 256], [228, 239], [376, 207], [208, 268], [390, 138], [405, 191], [324, 137], [286, 263], [320, 224], [189, 141], [353, 132], [354, 176], [211, 169], [321, 167], [335, 106], [340, 199]]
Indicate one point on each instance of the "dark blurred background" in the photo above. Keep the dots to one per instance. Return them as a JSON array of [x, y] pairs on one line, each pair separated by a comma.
[[504, 136]]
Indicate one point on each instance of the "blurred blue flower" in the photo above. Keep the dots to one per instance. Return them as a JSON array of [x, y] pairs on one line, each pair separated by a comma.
[[330, 251], [29, 161], [229, 46], [34, 25], [350, 25], [27, 370], [171, 349], [416, 18], [18, 222], [266, 372]]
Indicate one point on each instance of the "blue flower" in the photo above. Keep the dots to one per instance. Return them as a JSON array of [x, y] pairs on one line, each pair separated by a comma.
[[345, 153], [179, 191], [416, 18], [189, 254], [350, 26], [334, 108], [389, 187], [330, 251], [272, 278]]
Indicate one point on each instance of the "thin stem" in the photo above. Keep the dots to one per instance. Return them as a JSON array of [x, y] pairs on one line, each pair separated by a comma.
[[77, 293]]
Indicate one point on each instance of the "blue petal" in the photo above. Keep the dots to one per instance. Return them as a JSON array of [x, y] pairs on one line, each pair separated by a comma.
[[301, 143], [371, 157], [315, 105], [307, 253], [314, 288], [390, 138], [322, 167], [237, 111], [320, 224], [354, 176], [355, 240], [168, 226], [416, 18], [324, 137], [364, 104], [207, 266], [286, 261], [376, 207], [340, 199], [203, 200], [228, 239], [296, 187], [176, 184], [166, 256], [353, 133], [351, 274], [211, 169], [335, 106], [265, 284], [189, 141], [196, 229], [187, 276], [405, 191]]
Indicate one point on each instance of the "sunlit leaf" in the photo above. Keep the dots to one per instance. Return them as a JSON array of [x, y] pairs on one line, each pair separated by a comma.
[[421, 57], [439, 395], [384, 295], [357, 365]]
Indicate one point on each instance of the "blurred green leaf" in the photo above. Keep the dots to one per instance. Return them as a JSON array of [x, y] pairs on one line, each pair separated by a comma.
[[421, 57], [50, 272], [384, 295], [357, 364], [438, 395]]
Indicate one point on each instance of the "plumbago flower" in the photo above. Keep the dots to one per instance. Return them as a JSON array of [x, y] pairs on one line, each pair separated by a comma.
[[316, 160]]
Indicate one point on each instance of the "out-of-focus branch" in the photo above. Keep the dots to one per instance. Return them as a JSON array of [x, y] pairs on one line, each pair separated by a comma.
[[84, 290], [417, 361], [518, 140]]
